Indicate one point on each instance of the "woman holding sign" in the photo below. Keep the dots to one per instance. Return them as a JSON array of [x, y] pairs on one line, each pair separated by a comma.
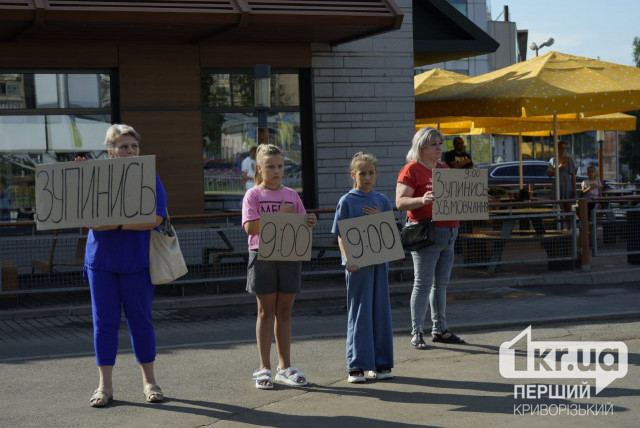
[[369, 329], [275, 283], [432, 264], [117, 266]]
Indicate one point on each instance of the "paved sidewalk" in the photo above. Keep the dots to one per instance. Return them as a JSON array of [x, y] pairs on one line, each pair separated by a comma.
[[604, 270], [210, 385], [62, 335]]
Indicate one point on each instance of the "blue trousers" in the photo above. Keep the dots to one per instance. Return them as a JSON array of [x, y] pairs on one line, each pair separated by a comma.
[[369, 329], [110, 293]]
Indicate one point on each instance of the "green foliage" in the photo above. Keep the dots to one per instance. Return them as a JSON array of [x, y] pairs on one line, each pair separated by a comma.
[[636, 50]]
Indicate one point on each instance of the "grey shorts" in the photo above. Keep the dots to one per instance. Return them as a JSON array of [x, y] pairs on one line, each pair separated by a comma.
[[268, 277]]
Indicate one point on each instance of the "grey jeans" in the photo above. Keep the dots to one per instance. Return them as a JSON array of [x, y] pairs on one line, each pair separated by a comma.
[[432, 269]]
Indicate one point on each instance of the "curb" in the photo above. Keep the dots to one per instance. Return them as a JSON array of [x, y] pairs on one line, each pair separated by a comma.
[[239, 300]]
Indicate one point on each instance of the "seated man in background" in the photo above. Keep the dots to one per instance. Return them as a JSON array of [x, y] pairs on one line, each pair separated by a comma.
[[458, 158]]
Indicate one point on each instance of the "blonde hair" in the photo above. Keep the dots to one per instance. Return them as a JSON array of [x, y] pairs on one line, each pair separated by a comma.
[[264, 150], [116, 131], [423, 137], [361, 158]]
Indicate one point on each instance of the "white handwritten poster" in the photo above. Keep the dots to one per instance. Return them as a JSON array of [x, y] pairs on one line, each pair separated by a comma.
[[284, 237], [96, 192], [371, 239], [460, 194]]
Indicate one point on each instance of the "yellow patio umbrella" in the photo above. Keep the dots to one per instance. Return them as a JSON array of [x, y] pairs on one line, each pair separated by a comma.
[[539, 125], [434, 79], [554, 83], [551, 84]]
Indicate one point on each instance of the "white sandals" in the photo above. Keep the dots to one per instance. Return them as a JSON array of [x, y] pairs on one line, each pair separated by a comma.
[[291, 376], [263, 376], [101, 397]]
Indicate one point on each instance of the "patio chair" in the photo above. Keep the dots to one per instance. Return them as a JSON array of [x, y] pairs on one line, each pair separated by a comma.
[[48, 265]]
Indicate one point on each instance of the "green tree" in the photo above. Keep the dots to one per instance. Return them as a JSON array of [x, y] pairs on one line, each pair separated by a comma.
[[630, 143]]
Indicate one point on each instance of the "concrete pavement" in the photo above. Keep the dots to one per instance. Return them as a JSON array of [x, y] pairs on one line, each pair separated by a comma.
[[210, 385]]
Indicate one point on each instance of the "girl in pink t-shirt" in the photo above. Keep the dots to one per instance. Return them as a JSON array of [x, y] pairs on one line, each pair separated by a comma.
[[275, 283]]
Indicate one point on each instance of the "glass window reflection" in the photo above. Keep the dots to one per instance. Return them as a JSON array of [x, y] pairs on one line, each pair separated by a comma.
[[229, 136], [77, 115]]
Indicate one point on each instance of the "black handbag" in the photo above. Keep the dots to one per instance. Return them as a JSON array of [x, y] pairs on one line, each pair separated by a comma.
[[415, 236]]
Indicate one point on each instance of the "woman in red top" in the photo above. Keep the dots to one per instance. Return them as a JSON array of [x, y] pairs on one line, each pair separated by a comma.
[[432, 264]]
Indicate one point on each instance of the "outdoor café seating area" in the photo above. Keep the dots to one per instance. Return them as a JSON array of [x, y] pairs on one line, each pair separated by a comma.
[[517, 233]]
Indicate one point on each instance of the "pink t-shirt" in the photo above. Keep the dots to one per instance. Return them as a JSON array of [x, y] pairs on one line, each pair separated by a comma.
[[258, 200]]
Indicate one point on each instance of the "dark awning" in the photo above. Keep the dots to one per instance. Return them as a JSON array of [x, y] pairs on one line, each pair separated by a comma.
[[195, 21], [441, 33]]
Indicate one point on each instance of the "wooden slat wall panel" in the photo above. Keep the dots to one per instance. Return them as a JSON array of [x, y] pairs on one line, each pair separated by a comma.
[[160, 97], [175, 137], [159, 75], [210, 6], [17, 4], [65, 55], [248, 54], [315, 6]]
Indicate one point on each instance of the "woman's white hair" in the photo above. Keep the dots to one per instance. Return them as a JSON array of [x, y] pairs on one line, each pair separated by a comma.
[[423, 137], [116, 131]]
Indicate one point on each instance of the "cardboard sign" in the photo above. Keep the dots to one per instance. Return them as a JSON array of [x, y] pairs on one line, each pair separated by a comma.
[[284, 237], [96, 192], [371, 239], [460, 194]]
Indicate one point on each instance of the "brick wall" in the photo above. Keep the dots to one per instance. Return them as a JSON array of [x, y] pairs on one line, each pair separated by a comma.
[[364, 101]]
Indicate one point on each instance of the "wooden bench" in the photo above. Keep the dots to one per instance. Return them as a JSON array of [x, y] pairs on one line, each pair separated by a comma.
[[221, 253]]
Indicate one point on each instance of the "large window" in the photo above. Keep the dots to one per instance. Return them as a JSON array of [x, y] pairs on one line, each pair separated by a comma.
[[47, 117], [230, 129]]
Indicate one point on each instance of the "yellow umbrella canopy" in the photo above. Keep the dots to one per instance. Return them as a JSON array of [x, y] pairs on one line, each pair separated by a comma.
[[434, 79], [554, 83], [530, 126]]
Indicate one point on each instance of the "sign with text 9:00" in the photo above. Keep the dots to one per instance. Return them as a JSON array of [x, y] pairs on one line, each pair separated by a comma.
[[371, 239], [96, 192], [284, 237], [460, 194]]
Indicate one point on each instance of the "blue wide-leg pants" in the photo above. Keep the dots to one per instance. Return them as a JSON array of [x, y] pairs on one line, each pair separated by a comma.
[[369, 329], [110, 293]]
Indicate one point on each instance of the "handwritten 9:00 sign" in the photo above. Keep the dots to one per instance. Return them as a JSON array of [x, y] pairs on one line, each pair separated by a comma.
[[284, 237], [371, 239]]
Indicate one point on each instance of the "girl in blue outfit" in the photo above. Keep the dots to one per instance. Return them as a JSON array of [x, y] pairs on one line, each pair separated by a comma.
[[117, 267], [369, 329]]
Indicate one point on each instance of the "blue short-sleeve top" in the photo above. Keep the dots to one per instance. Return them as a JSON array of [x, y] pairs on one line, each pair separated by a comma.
[[123, 251]]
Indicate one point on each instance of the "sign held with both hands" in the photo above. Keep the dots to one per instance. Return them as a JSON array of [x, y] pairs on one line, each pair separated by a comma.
[[96, 193]]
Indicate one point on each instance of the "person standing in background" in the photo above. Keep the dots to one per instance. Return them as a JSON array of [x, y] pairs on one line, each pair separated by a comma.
[[458, 158], [248, 168]]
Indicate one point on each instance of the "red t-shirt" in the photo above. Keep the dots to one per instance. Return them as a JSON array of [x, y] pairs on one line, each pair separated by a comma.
[[419, 178]]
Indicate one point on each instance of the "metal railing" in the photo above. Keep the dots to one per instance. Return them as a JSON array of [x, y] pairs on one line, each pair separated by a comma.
[[215, 248], [615, 231]]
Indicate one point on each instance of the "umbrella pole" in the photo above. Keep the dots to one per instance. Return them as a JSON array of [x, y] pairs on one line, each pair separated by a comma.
[[520, 157], [555, 147]]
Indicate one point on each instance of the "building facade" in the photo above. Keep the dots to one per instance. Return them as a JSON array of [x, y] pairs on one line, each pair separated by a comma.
[[341, 81]]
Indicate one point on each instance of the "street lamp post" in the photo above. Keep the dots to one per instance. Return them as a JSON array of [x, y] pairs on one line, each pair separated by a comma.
[[262, 99], [534, 47]]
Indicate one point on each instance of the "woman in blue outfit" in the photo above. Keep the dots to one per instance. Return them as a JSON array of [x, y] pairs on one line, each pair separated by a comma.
[[369, 329], [117, 267]]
